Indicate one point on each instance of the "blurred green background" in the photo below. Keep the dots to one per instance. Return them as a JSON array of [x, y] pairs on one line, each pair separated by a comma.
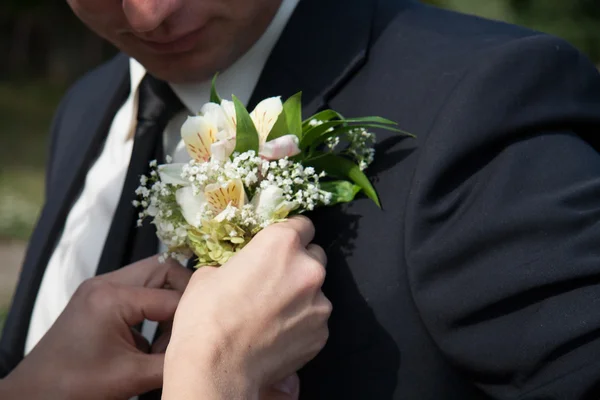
[[47, 48]]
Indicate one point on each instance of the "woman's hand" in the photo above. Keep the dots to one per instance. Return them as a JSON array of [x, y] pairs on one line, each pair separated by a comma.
[[91, 351]]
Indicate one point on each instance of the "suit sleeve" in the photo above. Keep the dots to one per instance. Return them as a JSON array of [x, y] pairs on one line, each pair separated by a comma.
[[8, 356], [53, 138], [4, 370], [503, 223]]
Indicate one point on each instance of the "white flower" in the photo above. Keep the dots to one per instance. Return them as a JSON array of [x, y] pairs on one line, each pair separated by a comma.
[[171, 174], [215, 197], [220, 196], [265, 115], [214, 134], [283, 146], [210, 133], [221, 116], [227, 214], [270, 204], [198, 134], [192, 205]]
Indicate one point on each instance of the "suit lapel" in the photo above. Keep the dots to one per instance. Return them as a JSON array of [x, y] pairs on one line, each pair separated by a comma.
[[83, 128], [317, 57]]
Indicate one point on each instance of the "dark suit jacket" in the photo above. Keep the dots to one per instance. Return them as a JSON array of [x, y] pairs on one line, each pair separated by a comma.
[[481, 276]]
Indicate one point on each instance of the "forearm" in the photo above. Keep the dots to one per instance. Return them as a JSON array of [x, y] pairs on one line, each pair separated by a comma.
[[203, 376]]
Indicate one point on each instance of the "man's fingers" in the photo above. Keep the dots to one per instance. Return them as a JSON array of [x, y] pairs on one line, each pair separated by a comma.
[[303, 226], [152, 274], [317, 252], [138, 304]]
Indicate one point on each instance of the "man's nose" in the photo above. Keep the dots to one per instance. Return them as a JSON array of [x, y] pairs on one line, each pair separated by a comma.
[[146, 15]]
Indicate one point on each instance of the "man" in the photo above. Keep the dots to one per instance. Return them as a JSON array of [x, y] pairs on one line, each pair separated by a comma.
[[479, 278]]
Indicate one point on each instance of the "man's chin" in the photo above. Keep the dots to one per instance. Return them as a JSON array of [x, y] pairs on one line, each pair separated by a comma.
[[178, 68]]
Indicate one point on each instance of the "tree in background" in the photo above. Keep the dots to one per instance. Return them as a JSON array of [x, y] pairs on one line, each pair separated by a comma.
[[42, 39], [577, 21]]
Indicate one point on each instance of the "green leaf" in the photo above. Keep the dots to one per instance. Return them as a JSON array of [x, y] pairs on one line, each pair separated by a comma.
[[313, 134], [246, 137], [375, 119], [292, 108], [338, 131], [325, 115], [290, 120], [214, 96], [342, 168], [280, 128], [316, 135], [342, 191]]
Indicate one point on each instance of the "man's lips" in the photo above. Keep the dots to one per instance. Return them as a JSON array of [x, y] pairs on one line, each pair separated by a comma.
[[176, 44]]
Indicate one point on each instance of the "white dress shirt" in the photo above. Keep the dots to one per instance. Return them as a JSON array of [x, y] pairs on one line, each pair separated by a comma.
[[78, 251]]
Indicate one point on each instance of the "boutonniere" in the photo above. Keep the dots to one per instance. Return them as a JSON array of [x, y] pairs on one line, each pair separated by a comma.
[[250, 170]]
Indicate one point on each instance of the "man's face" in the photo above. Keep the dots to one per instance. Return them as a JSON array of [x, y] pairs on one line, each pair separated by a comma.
[[179, 40]]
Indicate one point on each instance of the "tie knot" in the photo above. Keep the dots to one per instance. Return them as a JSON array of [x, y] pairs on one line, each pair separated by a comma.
[[157, 101]]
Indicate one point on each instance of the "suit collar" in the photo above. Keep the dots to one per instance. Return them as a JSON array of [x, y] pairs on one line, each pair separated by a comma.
[[324, 43]]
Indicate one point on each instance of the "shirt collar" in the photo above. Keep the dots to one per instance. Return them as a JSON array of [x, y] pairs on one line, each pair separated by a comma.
[[136, 74], [240, 78]]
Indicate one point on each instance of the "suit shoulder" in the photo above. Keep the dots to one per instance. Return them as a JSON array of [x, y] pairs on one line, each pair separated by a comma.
[[449, 34], [84, 88]]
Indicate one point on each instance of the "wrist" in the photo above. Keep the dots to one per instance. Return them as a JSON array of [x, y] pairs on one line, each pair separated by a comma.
[[207, 373]]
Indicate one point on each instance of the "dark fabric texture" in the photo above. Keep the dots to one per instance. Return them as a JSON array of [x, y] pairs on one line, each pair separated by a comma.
[[126, 242], [480, 278], [71, 154]]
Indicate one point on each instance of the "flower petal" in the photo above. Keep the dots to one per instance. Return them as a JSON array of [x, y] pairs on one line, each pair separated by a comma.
[[217, 115], [265, 115], [270, 204], [191, 205], [267, 200], [219, 196], [171, 174], [198, 133], [283, 146], [229, 110], [222, 149], [284, 209]]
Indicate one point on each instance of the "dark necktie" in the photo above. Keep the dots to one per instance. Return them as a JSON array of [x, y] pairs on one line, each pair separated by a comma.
[[127, 243]]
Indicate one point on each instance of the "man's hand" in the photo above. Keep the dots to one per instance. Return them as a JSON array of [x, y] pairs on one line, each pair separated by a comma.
[[252, 322], [91, 352]]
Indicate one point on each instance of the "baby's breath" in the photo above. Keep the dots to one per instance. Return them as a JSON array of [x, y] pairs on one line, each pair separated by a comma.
[[361, 146], [215, 235], [156, 200]]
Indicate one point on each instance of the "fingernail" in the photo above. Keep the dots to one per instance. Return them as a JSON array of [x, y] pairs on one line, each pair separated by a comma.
[[287, 385]]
